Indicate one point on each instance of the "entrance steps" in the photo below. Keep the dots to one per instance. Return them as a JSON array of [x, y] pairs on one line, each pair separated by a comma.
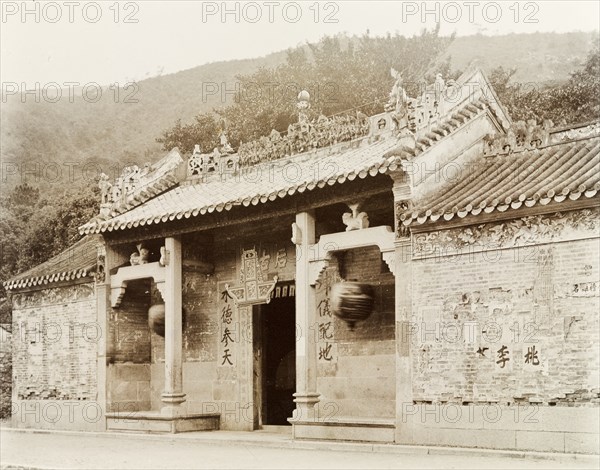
[[269, 428], [155, 422]]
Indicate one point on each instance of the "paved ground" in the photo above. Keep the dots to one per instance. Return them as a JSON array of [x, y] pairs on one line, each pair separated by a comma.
[[109, 451]]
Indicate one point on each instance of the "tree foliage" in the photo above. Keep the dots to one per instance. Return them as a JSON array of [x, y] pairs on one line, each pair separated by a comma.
[[340, 74], [575, 101], [33, 229]]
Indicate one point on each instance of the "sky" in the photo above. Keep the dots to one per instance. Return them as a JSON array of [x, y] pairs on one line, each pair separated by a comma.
[[109, 42]]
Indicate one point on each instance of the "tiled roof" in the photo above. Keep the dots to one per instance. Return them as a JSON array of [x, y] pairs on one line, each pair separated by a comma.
[[553, 173], [259, 184], [148, 182], [76, 262], [441, 129], [276, 179]]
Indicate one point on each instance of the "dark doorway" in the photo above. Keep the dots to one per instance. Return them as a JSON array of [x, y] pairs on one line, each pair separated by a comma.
[[275, 366]]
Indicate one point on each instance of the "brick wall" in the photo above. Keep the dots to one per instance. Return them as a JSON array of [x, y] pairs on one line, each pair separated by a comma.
[[55, 338], [128, 372], [5, 372], [510, 326], [130, 334], [505, 336], [356, 369], [55, 341]]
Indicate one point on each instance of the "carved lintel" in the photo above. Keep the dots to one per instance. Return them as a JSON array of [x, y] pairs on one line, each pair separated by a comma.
[[160, 287], [381, 236], [390, 259], [315, 268], [263, 290], [320, 253], [118, 281], [116, 294]]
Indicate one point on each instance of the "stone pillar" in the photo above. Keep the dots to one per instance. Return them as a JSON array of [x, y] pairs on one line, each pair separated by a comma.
[[306, 396], [173, 395], [403, 300], [107, 258], [102, 317]]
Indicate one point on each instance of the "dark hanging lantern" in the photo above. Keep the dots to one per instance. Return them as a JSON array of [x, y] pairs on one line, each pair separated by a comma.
[[352, 301], [156, 319]]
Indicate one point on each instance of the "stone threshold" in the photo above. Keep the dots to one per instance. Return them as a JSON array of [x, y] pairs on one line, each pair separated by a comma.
[[348, 422], [346, 429]]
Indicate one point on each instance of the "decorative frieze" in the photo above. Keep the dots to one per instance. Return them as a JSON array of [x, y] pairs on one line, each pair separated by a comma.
[[402, 231], [100, 274], [56, 295], [304, 136], [520, 232]]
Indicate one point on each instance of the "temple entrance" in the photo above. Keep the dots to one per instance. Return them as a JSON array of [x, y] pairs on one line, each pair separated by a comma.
[[275, 361]]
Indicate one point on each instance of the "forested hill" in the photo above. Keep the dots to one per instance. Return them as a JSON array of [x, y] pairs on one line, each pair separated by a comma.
[[122, 126]]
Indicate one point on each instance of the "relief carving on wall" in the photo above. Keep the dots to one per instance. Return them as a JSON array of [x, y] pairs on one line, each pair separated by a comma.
[[253, 288], [514, 233], [100, 274], [402, 231], [56, 295]]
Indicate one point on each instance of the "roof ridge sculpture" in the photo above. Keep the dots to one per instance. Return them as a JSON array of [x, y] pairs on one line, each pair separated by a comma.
[[529, 135]]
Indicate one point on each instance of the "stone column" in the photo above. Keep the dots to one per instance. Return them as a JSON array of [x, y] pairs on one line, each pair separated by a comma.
[[173, 395], [102, 317], [306, 396], [107, 258], [403, 300]]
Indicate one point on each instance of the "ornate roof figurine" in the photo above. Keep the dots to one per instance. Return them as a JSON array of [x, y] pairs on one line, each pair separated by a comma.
[[439, 87], [521, 136], [397, 104], [303, 100], [141, 256], [105, 189], [355, 220], [226, 148]]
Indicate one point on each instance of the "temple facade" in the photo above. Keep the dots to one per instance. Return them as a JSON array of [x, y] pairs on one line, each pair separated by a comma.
[[425, 276]]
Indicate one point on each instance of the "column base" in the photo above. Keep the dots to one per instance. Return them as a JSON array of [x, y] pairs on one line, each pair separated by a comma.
[[305, 407], [172, 404], [172, 397]]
